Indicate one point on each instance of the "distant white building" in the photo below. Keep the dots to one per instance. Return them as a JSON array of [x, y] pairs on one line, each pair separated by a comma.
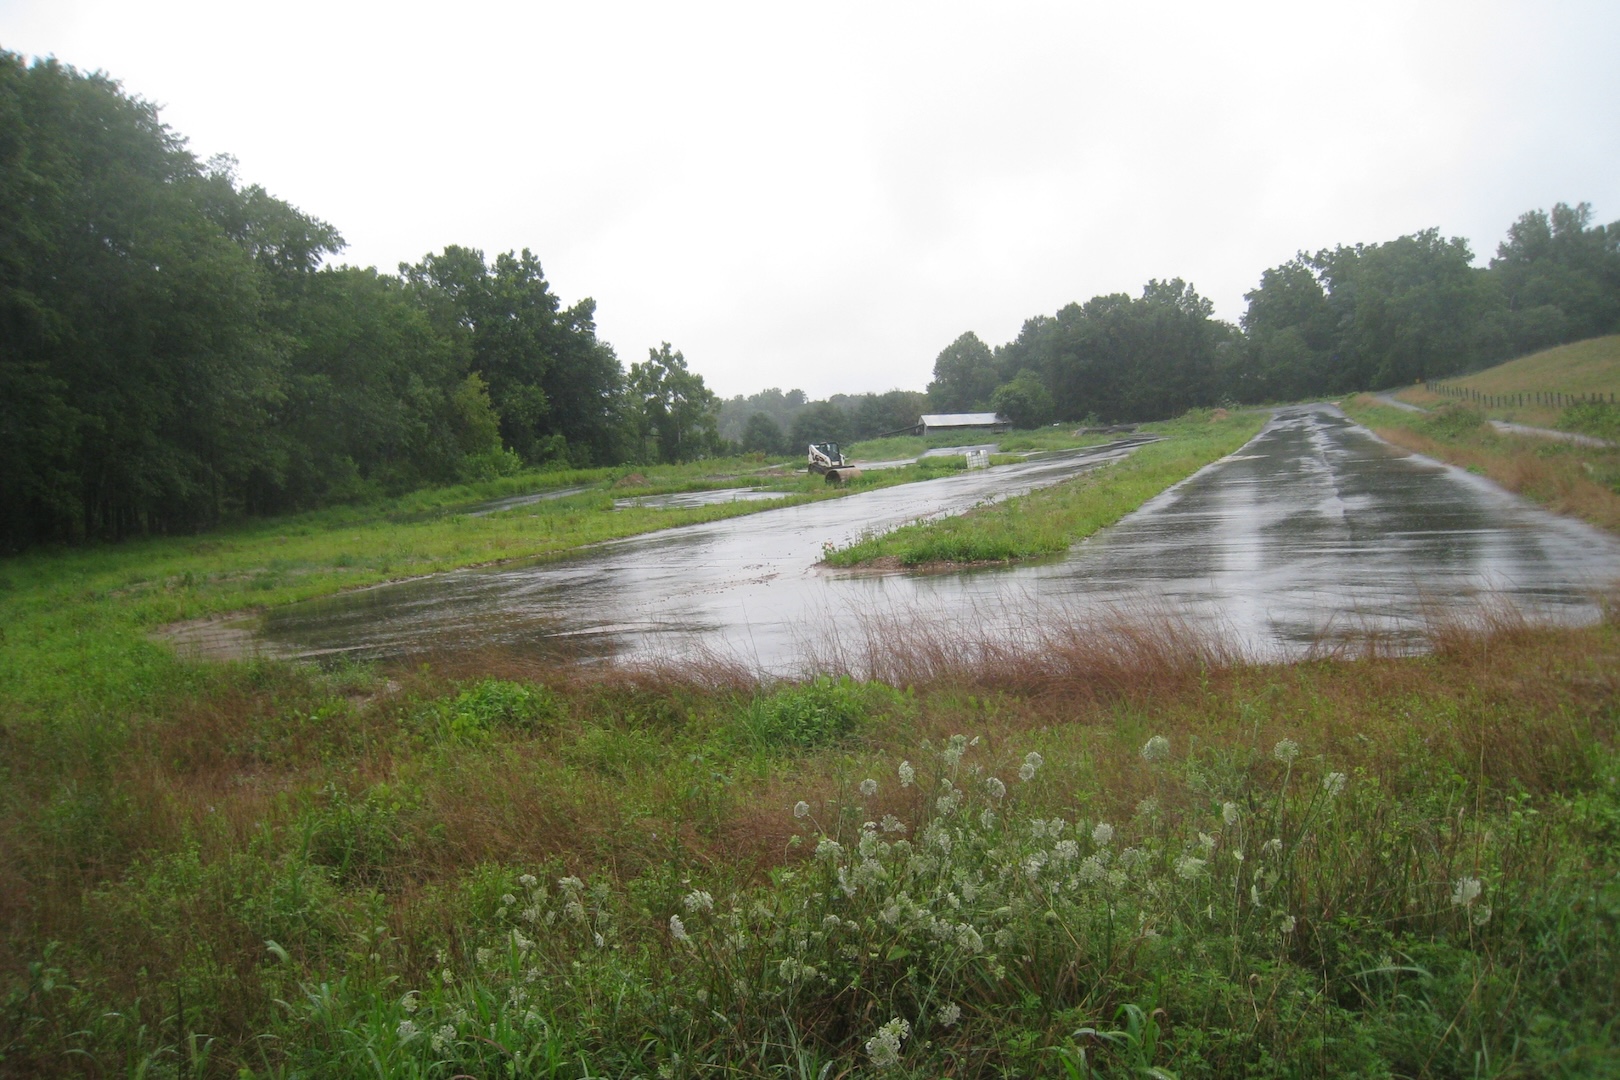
[[947, 423]]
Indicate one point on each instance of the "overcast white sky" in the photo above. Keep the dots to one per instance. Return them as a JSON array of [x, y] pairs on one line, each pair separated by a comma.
[[825, 195]]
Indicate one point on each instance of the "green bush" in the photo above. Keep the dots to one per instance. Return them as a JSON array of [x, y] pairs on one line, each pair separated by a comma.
[[1597, 418], [1452, 421], [813, 714]]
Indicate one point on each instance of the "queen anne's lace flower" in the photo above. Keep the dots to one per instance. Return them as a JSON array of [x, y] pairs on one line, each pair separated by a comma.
[[698, 900], [869, 787], [948, 1014], [1286, 751], [908, 775], [1156, 749], [1465, 890], [884, 1047], [677, 929], [801, 809], [995, 787], [1188, 867], [1333, 783], [1103, 834]]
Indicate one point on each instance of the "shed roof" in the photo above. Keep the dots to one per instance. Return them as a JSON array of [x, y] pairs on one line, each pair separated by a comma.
[[966, 419]]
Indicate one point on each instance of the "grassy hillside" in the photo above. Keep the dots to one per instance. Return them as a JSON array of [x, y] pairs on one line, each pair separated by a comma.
[[1585, 368]]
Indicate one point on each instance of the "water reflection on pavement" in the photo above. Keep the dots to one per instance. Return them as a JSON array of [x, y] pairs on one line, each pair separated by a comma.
[[1314, 529]]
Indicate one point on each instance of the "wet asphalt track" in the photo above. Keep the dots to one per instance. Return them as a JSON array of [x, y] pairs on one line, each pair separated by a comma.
[[1314, 530]]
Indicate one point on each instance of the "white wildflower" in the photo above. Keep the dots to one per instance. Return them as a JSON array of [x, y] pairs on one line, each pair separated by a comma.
[[677, 929], [410, 1003], [1188, 868], [968, 939], [908, 775], [1103, 834], [1465, 891], [443, 1038], [801, 809], [1287, 925], [1286, 751], [1333, 783], [949, 1014], [698, 900], [1156, 749], [1092, 870], [884, 1047], [484, 956], [406, 1031], [1147, 807], [995, 787], [892, 824], [1229, 813], [528, 881], [1065, 851], [1033, 864], [600, 940], [987, 819], [828, 848], [570, 884], [1271, 847], [1207, 842], [869, 787], [1032, 762]]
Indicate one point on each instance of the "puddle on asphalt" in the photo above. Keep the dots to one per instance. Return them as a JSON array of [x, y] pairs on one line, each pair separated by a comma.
[[688, 499], [1315, 532]]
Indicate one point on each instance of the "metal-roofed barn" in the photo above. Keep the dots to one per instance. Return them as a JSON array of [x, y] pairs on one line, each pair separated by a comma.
[[947, 423]]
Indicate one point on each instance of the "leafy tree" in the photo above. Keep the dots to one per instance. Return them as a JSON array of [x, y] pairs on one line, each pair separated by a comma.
[[964, 376], [676, 411], [1559, 276], [1024, 401], [1411, 308], [764, 435], [820, 421]]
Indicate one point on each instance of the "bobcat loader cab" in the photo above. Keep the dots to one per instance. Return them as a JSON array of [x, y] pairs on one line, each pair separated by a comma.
[[826, 460]]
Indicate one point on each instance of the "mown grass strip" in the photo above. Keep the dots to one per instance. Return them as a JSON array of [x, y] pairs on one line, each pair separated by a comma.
[[1049, 521]]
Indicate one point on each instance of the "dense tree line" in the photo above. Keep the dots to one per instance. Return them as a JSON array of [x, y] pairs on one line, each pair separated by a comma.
[[175, 348], [772, 422], [1349, 318]]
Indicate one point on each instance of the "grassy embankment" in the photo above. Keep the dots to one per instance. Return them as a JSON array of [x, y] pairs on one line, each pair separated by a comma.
[[1048, 521], [1580, 481], [1389, 867], [1587, 368]]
